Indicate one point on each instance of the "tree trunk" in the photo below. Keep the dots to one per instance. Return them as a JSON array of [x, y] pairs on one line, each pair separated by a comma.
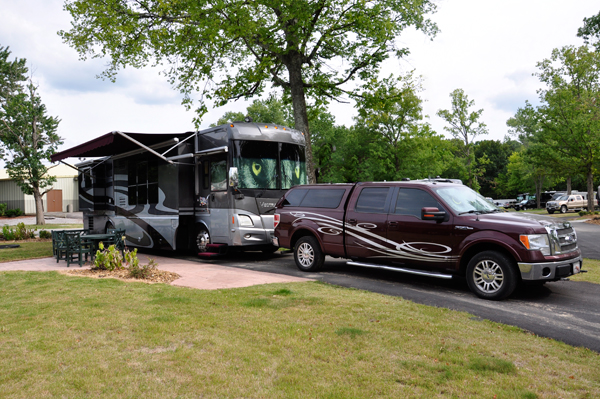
[[538, 190], [39, 207], [569, 185], [300, 114], [590, 190]]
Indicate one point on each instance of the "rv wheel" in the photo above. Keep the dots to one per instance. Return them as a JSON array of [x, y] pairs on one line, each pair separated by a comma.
[[202, 239]]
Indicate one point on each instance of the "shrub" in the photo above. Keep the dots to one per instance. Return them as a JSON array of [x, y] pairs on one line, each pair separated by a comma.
[[2, 209], [19, 233], [14, 212], [135, 270], [45, 234], [108, 259]]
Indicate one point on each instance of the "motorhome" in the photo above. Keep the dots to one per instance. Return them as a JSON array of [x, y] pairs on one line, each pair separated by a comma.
[[215, 188]]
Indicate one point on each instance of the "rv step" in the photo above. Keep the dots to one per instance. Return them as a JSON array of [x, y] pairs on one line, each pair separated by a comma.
[[216, 246], [208, 254]]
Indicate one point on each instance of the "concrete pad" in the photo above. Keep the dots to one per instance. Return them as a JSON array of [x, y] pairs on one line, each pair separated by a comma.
[[193, 274]]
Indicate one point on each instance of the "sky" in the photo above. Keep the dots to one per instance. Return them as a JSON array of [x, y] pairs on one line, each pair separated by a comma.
[[487, 48]]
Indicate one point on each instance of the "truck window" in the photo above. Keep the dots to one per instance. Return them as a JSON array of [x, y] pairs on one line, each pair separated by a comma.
[[372, 200], [323, 198], [411, 200], [295, 197]]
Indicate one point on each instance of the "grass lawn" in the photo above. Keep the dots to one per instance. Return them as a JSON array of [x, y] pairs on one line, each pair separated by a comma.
[[80, 337], [593, 272], [53, 226], [27, 250]]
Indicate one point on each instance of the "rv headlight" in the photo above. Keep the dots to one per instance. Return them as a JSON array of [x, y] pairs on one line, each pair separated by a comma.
[[245, 221], [536, 242]]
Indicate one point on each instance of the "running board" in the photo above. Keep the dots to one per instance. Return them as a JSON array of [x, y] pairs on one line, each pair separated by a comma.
[[401, 269]]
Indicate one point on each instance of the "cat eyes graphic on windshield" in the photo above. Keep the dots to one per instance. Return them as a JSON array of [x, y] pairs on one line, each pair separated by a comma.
[[256, 168]]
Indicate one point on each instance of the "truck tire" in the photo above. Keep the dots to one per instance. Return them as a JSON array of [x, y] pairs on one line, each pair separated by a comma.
[[202, 239], [491, 275], [563, 209], [308, 254]]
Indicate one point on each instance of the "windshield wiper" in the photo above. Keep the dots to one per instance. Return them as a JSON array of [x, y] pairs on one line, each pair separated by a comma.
[[471, 211]]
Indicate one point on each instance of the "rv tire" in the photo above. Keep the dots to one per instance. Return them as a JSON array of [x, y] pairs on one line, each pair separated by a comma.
[[202, 239]]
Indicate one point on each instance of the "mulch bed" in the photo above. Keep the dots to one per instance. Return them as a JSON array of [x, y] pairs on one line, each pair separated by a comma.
[[156, 276]]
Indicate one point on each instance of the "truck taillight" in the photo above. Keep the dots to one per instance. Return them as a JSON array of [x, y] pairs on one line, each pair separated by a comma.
[[275, 220]]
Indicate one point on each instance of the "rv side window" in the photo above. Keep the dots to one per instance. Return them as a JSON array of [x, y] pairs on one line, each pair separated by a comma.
[[218, 175]]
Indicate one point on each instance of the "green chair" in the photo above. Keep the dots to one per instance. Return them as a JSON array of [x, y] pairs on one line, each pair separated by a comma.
[[76, 248], [59, 245], [116, 240]]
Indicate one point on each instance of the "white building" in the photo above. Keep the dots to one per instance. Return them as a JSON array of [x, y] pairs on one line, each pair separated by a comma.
[[64, 196]]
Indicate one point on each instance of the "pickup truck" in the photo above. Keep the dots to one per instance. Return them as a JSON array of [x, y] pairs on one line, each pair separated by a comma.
[[565, 203], [428, 228]]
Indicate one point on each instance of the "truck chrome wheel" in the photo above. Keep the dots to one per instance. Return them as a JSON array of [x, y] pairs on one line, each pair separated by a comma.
[[488, 276], [492, 275], [308, 254], [563, 209]]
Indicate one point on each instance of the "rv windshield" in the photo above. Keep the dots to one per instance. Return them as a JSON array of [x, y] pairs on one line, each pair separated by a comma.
[[269, 165], [464, 200]]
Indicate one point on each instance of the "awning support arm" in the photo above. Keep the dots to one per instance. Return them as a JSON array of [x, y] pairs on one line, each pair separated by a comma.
[[143, 146], [179, 143]]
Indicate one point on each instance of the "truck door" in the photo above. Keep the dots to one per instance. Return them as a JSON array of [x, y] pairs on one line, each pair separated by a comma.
[[366, 220], [416, 241]]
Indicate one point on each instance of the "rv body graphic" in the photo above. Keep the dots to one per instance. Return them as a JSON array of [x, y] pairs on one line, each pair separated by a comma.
[[184, 191]]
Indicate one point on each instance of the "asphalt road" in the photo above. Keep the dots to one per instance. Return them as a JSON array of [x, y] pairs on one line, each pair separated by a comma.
[[564, 310]]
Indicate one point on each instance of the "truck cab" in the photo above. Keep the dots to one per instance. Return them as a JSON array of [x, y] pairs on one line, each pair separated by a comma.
[[425, 227]]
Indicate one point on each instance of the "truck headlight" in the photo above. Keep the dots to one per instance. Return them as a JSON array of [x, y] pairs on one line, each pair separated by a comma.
[[536, 242], [245, 221]]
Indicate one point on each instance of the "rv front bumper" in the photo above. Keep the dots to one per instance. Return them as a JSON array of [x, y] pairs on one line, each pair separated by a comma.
[[550, 270]]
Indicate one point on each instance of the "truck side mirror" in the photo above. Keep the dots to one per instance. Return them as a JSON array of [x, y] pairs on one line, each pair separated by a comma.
[[432, 214]]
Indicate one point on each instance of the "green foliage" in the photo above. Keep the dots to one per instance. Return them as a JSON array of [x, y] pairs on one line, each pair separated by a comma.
[[13, 212], [242, 48], [133, 264], [45, 234], [590, 31], [569, 112], [465, 126], [20, 232], [108, 259], [3, 209], [27, 134]]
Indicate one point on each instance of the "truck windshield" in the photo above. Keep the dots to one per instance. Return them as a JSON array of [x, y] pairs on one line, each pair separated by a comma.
[[464, 200], [269, 165]]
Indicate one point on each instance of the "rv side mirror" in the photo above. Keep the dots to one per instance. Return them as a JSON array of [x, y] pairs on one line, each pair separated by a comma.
[[432, 214], [233, 177]]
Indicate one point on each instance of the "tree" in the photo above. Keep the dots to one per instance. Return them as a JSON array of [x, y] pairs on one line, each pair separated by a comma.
[[235, 49], [465, 126], [27, 134], [590, 31], [271, 110], [497, 152], [570, 110]]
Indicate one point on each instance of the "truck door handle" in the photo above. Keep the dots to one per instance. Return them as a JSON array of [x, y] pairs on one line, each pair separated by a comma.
[[352, 221], [392, 225]]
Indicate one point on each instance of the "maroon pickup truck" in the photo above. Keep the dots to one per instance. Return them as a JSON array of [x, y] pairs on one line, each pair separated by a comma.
[[429, 228]]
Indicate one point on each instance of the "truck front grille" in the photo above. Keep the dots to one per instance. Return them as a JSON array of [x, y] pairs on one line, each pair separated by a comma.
[[567, 239]]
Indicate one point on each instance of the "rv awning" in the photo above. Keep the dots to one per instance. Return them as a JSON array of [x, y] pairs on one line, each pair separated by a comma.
[[115, 143]]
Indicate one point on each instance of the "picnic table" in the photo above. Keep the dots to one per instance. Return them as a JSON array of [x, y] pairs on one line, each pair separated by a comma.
[[74, 245]]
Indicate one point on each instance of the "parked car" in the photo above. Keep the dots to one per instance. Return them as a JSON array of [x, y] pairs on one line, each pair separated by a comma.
[[566, 203], [427, 228]]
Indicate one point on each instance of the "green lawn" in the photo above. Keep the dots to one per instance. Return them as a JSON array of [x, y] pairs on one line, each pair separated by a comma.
[[64, 336], [27, 250]]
